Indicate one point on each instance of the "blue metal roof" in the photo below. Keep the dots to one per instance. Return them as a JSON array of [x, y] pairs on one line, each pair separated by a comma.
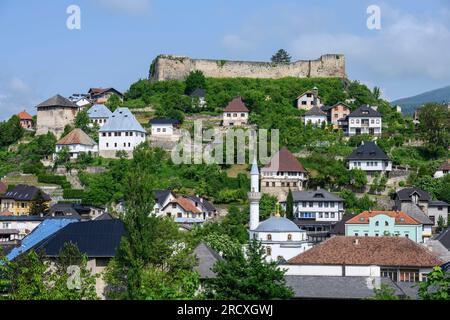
[[122, 120], [41, 232], [99, 111]]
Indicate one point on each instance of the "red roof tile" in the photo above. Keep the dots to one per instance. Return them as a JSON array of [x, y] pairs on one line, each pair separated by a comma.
[[284, 161], [379, 251], [445, 166], [186, 204], [400, 217], [76, 136], [24, 115], [236, 105]]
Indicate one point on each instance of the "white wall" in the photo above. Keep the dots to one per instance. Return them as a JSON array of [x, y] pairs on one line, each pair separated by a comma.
[[126, 143], [237, 118], [315, 120], [76, 149], [356, 122], [162, 129], [337, 209], [370, 165], [331, 270]]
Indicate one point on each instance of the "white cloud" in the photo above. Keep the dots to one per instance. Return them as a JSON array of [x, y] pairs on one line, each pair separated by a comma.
[[15, 96], [135, 7]]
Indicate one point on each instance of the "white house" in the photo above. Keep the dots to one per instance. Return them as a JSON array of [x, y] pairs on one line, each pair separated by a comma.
[[15, 227], [316, 210], [99, 114], [235, 113], [309, 99], [315, 116], [364, 120], [77, 142], [370, 158], [198, 97], [122, 132], [442, 170], [398, 258], [281, 238], [163, 127]]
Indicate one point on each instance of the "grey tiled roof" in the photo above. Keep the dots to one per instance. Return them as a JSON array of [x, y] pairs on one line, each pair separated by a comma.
[[161, 196], [444, 238], [99, 111], [436, 203], [405, 194], [57, 101], [315, 195], [199, 92], [206, 258], [337, 287], [368, 150], [122, 120], [164, 121], [23, 192], [365, 111], [414, 212], [315, 111], [205, 203]]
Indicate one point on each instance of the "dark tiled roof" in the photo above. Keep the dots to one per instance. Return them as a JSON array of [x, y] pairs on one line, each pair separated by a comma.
[[365, 111], [414, 212], [23, 192], [406, 193], [338, 228], [199, 92], [161, 196], [315, 111], [164, 121], [236, 105], [438, 203], [97, 238], [206, 258], [444, 238], [368, 150], [315, 195], [206, 204], [284, 161], [379, 251], [57, 101], [337, 287]]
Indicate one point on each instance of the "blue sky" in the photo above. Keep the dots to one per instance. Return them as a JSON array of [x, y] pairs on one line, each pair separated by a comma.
[[40, 57]]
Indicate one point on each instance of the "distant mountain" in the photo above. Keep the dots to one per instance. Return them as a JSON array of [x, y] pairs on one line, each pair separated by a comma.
[[409, 105]]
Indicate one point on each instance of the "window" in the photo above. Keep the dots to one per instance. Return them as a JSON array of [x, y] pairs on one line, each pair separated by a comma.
[[158, 130], [234, 115], [289, 237], [115, 145], [174, 205], [267, 184], [304, 103], [228, 115], [377, 223], [164, 129], [107, 144], [386, 224], [269, 251], [242, 114], [356, 234], [269, 237], [104, 134], [332, 215]]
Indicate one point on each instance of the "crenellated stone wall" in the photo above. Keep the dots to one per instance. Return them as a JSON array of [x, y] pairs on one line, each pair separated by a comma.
[[170, 67]]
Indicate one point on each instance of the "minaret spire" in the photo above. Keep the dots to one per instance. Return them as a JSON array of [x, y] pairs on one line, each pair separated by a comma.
[[254, 196]]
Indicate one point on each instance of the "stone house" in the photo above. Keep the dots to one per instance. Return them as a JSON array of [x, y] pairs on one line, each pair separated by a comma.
[[54, 114], [77, 142], [308, 100], [26, 120], [122, 132], [282, 173], [235, 113], [336, 112]]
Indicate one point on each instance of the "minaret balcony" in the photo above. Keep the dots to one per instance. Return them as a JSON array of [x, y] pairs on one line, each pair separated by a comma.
[[254, 195]]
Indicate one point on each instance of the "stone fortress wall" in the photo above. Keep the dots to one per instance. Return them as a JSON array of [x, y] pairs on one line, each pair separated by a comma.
[[170, 67]]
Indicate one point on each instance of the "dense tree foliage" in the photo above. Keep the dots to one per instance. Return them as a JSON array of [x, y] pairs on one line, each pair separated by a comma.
[[10, 131], [435, 126], [281, 56], [248, 276], [195, 80]]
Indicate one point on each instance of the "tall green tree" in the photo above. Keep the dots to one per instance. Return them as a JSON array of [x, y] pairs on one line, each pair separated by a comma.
[[114, 102], [248, 277], [434, 126], [437, 285], [39, 204], [195, 80], [10, 131], [290, 205], [281, 56]]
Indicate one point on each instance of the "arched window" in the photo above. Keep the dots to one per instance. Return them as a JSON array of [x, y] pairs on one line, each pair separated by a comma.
[[269, 251], [269, 237], [289, 237], [377, 223], [386, 224]]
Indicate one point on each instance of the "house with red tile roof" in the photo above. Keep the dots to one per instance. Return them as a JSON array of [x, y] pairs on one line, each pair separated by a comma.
[[283, 172], [442, 170], [397, 258], [385, 223], [26, 120], [235, 113], [183, 210], [101, 95], [77, 142]]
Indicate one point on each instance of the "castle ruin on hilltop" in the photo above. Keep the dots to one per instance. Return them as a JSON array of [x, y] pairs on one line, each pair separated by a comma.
[[171, 67]]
